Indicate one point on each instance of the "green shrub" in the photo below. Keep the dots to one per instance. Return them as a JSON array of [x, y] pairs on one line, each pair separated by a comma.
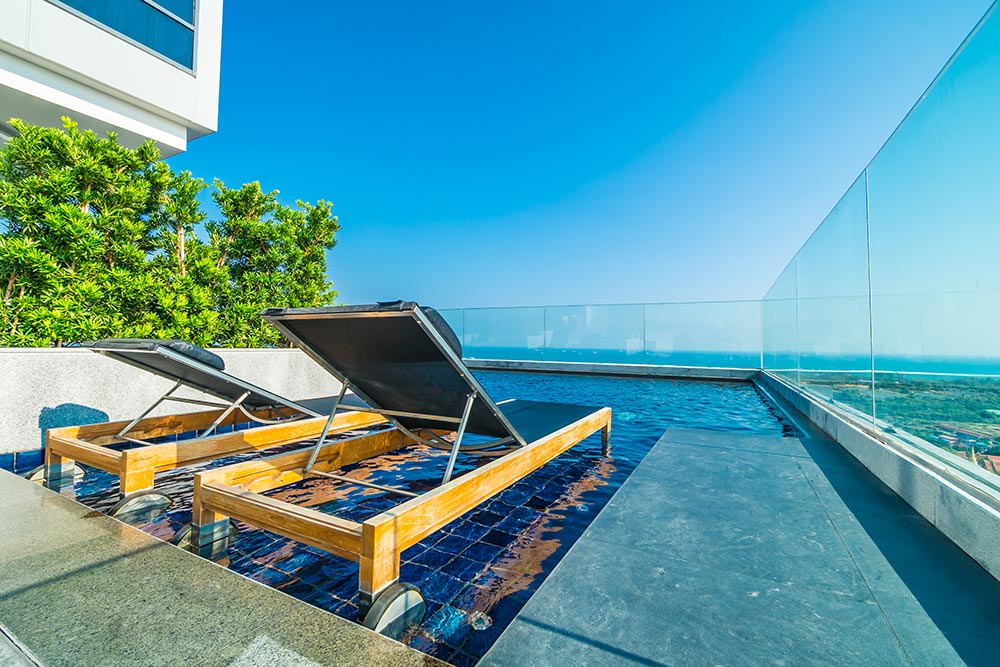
[[99, 240]]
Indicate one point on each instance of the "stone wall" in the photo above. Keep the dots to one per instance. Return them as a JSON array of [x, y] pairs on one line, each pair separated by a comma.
[[46, 388]]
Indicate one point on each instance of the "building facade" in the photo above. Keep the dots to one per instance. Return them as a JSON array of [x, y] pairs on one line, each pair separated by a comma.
[[144, 69]]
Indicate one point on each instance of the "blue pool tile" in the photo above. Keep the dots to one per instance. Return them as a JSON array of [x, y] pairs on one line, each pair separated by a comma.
[[480, 641], [452, 544], [296, 561], [503, 612], [471, 531], [253, 540], [448, 625], [516, 523], [482, 551], [432, 558], [499, 538], [297, 588], [347, 610], [335, 568], [425, 543], [323, 600], [537, 503], [438, 649], [312, 572], [462, 659], [411, 573], [515, 496], [498, 506], [463, 568], [269, 576], [485, 518], [468, 597], [499, 616], [441, 586], [7, 462], [422, 642]]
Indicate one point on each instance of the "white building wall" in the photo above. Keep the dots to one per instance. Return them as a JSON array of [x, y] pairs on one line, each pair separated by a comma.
[[55, 63]]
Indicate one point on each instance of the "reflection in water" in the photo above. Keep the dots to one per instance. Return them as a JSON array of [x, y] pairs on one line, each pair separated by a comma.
[[478, 571], [520, 566]]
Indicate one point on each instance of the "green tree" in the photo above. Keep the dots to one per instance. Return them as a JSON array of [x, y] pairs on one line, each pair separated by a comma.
[[100, 240], [274, 255]]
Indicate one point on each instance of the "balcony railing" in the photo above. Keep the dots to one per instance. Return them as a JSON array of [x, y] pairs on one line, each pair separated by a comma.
[[720, 334], [891, 310]]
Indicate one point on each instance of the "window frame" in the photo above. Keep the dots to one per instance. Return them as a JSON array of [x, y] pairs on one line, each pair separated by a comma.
[[192, 70]]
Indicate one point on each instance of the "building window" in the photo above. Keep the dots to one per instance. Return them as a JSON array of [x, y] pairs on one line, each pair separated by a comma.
[[165, 27]]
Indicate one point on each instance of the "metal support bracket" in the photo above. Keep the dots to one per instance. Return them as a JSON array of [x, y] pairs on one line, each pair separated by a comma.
[[458, 438], [326, 428], [227, 409], [225, 413], [156, 403]]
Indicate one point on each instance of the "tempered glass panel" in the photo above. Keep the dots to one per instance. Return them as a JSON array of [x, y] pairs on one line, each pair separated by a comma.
[[504, 333], [935, 230], [455, 317], [599, 334], [834, 326], [779, 322], [144, 24], [722, 334]]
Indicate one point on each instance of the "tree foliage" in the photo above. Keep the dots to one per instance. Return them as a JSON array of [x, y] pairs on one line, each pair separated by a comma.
[[99, 240]]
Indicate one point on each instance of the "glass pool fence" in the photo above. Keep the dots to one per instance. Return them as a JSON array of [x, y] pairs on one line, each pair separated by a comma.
[[720, 334], [891, 310]]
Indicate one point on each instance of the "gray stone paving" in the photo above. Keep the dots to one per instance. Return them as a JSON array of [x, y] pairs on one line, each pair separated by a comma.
[[79, 588], [11, 655], [722, 549]]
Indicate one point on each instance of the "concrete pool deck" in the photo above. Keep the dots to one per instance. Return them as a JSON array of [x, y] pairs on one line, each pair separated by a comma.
[[80, 588], [727, 549]]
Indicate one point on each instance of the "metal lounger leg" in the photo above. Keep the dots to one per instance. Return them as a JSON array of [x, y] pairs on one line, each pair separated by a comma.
[[225, 413], [283, 420], [458, 438], [131, 424], [326, 428]]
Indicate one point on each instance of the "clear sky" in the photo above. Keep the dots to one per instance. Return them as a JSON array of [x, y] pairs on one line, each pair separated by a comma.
[[527, 153]]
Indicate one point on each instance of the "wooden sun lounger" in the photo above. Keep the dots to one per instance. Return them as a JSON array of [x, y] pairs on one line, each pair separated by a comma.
[[236, 492], [405, 363], [136, 467], [187, 365]]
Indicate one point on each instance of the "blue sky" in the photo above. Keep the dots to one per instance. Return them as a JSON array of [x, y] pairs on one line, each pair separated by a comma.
[[564, 152]]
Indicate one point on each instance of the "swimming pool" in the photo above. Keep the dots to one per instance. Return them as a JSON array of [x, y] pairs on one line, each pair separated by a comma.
[[477, 572]]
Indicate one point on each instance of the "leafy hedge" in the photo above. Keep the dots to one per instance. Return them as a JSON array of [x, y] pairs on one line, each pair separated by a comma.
[[99, 240]]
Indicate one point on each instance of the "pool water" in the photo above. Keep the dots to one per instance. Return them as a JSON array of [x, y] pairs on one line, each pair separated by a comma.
[[478, 571]]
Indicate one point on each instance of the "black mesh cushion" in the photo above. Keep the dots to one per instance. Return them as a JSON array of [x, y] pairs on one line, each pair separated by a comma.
[[435, 318], [395, 356], [179, 346]]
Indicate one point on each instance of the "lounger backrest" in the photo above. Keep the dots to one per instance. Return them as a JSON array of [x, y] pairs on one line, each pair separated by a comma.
[[395, 357], [193, 366]]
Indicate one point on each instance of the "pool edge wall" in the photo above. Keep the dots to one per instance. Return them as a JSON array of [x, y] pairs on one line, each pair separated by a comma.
[[624, 370]]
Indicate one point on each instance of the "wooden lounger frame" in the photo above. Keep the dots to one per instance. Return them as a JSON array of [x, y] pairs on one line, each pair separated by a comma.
[[135, 467], [235, 491]]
